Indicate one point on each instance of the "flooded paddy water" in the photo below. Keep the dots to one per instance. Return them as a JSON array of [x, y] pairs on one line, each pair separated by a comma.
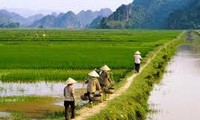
[[41, 89], [177, 97]]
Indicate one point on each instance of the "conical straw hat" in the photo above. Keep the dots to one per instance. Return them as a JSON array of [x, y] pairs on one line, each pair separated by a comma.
[[105, 67], [93, 74], [137, 53], [70, 81]]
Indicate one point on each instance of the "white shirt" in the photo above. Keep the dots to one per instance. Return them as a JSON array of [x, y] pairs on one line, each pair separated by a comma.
[[137, 59]]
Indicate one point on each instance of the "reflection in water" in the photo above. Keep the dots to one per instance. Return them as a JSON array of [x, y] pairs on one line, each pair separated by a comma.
[[39, 88], [4, 114], [178, 96]]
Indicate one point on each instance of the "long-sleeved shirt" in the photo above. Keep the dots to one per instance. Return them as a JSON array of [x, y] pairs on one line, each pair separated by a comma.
[[137, 59], [105, 79], [69, 93], [93, 85]]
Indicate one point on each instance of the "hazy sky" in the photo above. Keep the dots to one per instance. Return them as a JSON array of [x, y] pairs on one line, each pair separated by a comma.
[[62, 5]]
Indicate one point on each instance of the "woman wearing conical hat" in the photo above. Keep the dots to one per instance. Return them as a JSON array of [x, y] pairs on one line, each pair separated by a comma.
[[93, 84], [69, 98], [105, 80], [137, 61]]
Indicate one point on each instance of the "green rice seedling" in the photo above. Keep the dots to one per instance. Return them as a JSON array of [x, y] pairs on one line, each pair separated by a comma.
[[34, 75], [28, 57], [78, 47]]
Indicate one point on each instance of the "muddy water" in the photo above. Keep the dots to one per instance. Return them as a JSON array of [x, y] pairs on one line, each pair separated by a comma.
[[4, 115], [178, 95], [42, 88]]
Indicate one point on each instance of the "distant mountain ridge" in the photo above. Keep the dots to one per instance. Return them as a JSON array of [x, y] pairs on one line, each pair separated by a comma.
[[6, 16], [62, 20], [140, 14], [150, 14], [11, 17], [86, 17], [70, 20]]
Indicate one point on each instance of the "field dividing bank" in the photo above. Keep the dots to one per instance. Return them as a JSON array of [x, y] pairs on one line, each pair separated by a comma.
[[31, 55], [132, 104]]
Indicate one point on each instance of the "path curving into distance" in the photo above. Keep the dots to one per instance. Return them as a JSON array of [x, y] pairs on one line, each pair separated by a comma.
[[88, 112]]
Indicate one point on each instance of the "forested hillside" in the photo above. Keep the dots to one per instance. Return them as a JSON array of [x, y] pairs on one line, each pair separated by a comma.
[[153, 14], [186, 18]]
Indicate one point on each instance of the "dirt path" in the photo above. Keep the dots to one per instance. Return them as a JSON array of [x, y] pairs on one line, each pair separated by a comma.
[[87, 112]]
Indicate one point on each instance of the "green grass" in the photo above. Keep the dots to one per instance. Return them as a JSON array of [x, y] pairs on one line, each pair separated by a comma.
[[76, 55], [34, 75], [25, 56]]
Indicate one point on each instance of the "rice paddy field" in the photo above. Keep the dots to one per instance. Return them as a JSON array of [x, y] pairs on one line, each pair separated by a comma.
[[30, 55], [53, 55]]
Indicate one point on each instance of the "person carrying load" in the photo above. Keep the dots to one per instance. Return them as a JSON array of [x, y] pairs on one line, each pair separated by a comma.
[[93, 85], [105, 79]]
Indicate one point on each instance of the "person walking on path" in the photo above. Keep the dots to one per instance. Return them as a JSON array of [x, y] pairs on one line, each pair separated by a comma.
[[69, 98], [93, 85], [137, 60]]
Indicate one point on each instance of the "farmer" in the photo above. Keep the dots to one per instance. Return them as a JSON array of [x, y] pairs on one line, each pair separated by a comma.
[[105, 80], [69, 98], [137, 60], [93, 85]]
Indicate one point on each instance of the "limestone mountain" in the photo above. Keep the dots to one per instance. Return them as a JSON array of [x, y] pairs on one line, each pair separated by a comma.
[[95, 22], [54, 20], [33, 18], [147, 14], [86, 17], [45, 22], [70, 20], [63, 20], [186, 18], [9, 18], [67, 20]]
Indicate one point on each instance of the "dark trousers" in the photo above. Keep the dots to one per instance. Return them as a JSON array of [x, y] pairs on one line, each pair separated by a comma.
[[137, 67], [89, 96], [72, 105]]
